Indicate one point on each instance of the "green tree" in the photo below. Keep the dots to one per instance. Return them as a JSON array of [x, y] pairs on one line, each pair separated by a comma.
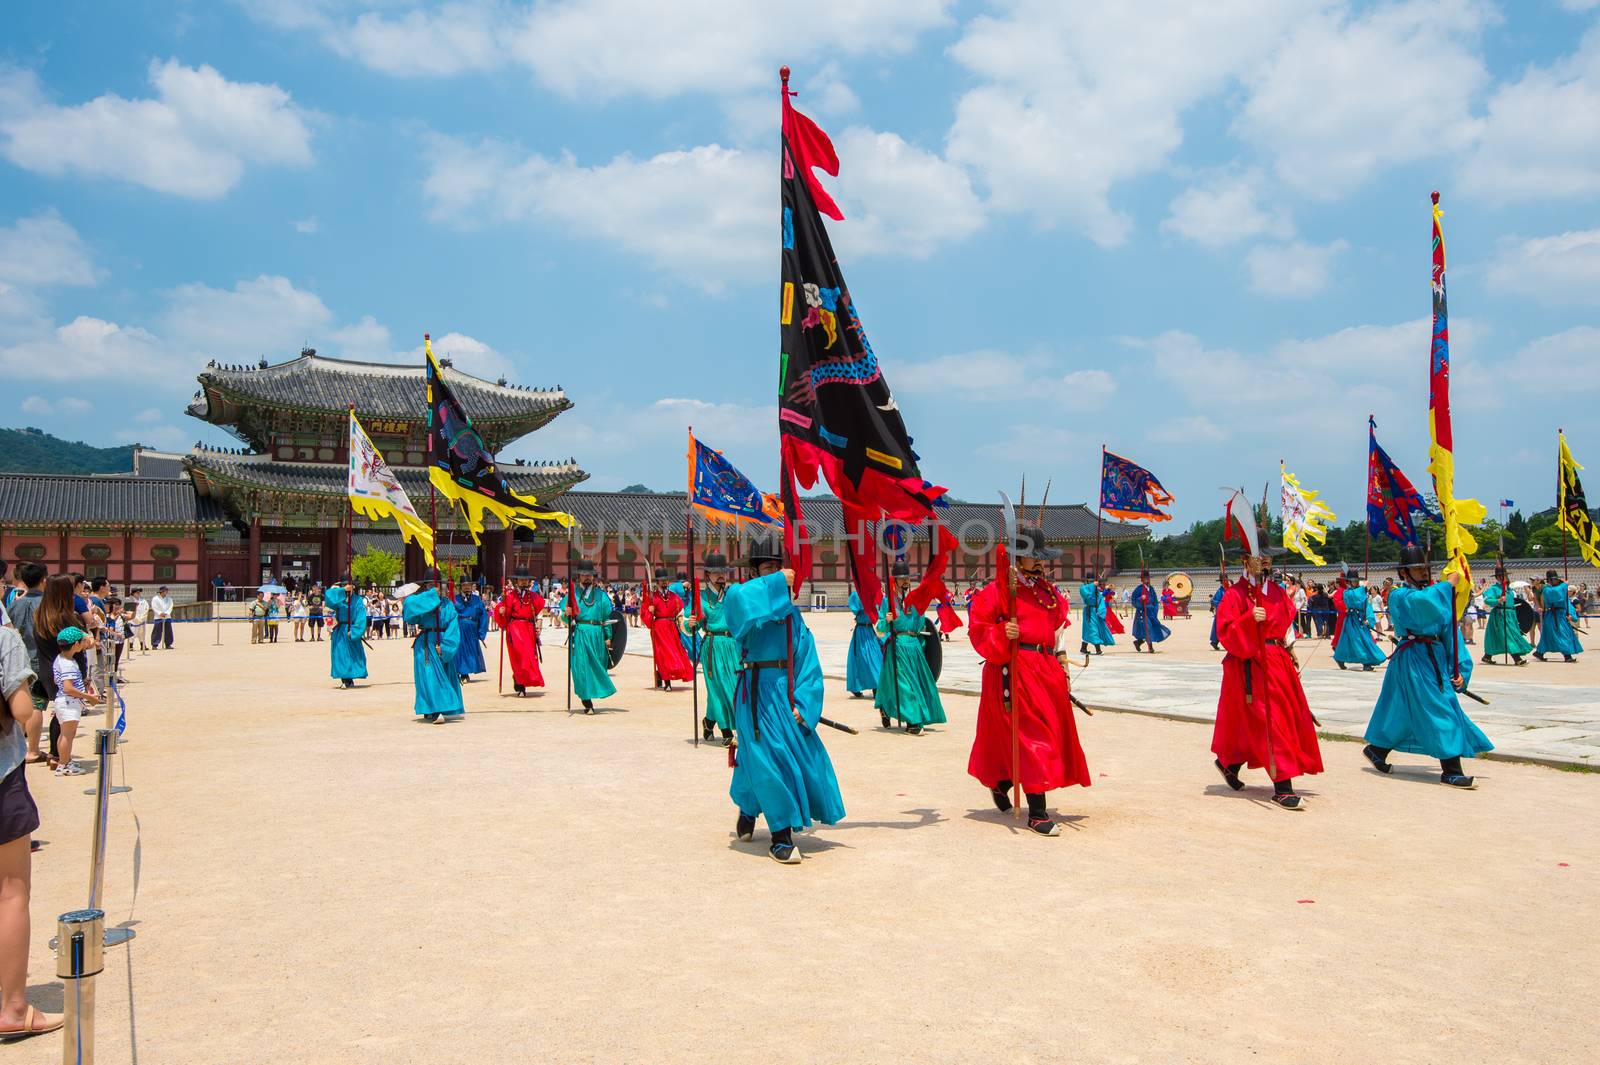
[[375, 566], [1546, 542]]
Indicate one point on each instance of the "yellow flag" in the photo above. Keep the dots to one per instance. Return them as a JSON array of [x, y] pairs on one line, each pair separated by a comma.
[[1305, 518]]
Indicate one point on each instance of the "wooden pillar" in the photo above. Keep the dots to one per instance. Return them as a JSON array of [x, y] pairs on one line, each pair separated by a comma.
[[66, 563], [203, 591], [252, 572], [414, 563], [127, 562]]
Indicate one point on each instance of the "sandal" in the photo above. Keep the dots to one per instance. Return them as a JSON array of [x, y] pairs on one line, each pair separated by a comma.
[[31, 1026], [36, 759]]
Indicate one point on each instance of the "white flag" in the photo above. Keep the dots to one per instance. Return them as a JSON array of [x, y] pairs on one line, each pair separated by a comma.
[[376, 493]]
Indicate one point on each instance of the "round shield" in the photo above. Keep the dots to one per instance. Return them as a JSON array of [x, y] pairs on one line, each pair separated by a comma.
[[932, 647], [617, 633], [1181, 585]]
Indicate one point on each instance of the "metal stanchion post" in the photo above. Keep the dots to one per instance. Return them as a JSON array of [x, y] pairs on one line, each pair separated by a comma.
[[79, 959], [105, 744]]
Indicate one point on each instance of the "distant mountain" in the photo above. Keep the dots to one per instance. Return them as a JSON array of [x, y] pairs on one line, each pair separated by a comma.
[[635, 489], [35, 451]]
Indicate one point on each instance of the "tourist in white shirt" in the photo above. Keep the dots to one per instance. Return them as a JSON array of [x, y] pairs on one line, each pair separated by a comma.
[[141, 616], [161, 614]]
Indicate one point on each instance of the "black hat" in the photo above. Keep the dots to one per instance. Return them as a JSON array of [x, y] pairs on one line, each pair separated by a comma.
[[766, 548], [1414, 555], [900, 568], [1553, 577], [522, 574], [716, 562], [429, 576], [585, 565], [1030, 544], [683, 575], [661, 573], [1090, 576]]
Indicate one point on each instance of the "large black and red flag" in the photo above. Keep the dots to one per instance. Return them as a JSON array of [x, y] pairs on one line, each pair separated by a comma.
[[836, 414]]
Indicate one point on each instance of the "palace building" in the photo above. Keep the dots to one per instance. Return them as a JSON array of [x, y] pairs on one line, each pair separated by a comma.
[[276, 506]]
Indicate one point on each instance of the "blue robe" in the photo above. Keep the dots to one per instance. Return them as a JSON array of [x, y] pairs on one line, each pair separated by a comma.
[[1555, 626], [784, 774], [589, 657], [1094, 616], [1355, 636], [348, 653], [1418, 710], [473, 617], [1216, 601], [1147, 616], [433, 652], [686, 633], [866, 653]]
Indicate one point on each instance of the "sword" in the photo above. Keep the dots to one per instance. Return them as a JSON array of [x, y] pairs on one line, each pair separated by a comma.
[[838, 725]]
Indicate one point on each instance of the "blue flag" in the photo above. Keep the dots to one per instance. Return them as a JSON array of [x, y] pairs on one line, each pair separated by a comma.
[[1128, 490], [1391, 500], [721, 492]]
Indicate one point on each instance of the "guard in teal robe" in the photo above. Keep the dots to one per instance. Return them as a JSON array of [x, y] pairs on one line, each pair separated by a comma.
[[1216, 601], [782, 771], [1147, 627], [1356, 644], [686, 628], [1094, 617], [1418, 710], [906, 689], [1501, 636], [588, 633], [719, 651], [473, 618], [433, 651], [865, 663], [348, 653], [1555, 626]]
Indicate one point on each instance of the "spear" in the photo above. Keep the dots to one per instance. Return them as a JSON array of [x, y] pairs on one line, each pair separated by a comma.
[[1008, 574]]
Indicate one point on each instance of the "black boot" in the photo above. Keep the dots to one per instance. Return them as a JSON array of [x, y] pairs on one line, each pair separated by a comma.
[[1486, 660], [1539, 655], [1083, 647], [1517, 660], [1283, 796], [1567, 658], [1379, 757], [1138, 645], [783, 850], [1367, 669], [1039, 818], [913, 730], [727, 738], [1450, 775], [588, 706], [1230, 773], [705, 729], [1001, 793], [1341, 665], [745, 828], [884, 718]]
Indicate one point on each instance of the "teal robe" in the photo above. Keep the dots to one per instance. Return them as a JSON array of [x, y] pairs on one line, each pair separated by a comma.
[[589, 657], [865, 663], [783, 773], [1418, 710], [1555, 625], [348, 653], [906, 689], [1356, 644], [1094, 616], [720, 658], [1501, 636], [433, 652]]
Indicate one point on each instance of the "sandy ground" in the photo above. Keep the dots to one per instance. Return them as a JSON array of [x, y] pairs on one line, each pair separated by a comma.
[[322, 880]]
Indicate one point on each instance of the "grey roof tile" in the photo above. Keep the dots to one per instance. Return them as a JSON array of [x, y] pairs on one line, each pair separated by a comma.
[[331, 479], [44, 499]]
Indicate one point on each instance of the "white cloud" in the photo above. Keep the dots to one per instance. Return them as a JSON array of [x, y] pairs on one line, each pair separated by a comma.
[[467, 354], [1348, 94], [1541, 136], [704, 214], [1560, 269], [1070, 103], [45, 250], [267, 316], [64, 405], [149, 416], [1088, 387], [194, 138], [366, 341], [1224, 210], [1569, 360], [306, 226], [1294, 269], [159, 435], [1196, 429], [990, 376], [88, 349]]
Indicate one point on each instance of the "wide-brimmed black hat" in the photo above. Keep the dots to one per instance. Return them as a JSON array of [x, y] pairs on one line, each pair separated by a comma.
[[900, 568], [429, 576], [1413, 555], [585, 565], [1030, 544], [716, 562], [522, 574], [683, 575], [1552, 576], [763, 549], [661, 573]]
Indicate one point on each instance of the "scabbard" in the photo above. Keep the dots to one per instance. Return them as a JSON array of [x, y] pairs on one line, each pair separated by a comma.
[[838, 725], [1249, 694]]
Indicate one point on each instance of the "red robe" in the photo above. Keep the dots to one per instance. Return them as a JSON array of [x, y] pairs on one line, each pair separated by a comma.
[[1338, 614], [1278, 702], [1113, 623], [659, 612], [949, 620], [515, 615], [1051, 755]]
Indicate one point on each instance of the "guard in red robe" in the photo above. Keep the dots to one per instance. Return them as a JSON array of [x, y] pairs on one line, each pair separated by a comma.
[[659, 611], [1340, 583], [1263, 720], [949, 620], [1050, 756], [1113, 622], [517, 614]]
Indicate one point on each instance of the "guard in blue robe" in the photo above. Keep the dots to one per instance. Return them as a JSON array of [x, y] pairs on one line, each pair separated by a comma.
[[347, 652], [1555, 627], [1094, 617], [433, 651], [782, 772], [1418, 710], [1147, 627], [862, 668], [1216, 601], [589, 634], [1356, 644], [473, 618]]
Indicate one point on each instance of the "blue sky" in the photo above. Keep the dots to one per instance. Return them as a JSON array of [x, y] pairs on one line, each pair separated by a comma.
[[1195, 233]]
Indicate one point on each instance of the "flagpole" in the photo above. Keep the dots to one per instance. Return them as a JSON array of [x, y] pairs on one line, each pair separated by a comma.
[[1561, 504], [1099, 513], [350, 533], [433, 512], [694, 592]]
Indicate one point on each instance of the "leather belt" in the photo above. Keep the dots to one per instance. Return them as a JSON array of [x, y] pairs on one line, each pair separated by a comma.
[[1275, 643], [581, 621], [774, 663], [1039, 647]]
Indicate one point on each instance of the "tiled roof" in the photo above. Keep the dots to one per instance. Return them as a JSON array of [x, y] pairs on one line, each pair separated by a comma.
[[163, 465], [543, 480], [379, 390], [42, 499], [825, 517]]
